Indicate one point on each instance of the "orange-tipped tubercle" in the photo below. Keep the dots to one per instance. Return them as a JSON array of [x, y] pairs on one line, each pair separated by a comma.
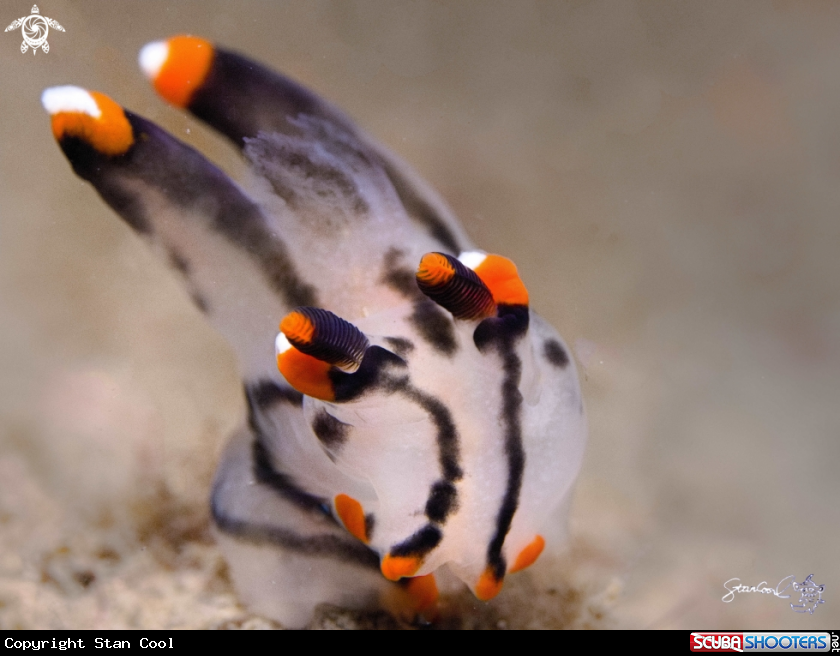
[[89, 116], [500, 275], [308, 375], [488, 585], [177, 67], [528, 556], [352, 515], [396, 567]]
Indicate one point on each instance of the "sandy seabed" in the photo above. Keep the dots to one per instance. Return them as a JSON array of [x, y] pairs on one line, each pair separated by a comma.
[[665, 176]]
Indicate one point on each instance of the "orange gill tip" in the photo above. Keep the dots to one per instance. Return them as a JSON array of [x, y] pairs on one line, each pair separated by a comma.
[[528, 556], [352, 515], [499, 274], [396, 567], [177, 67], [90, 116], [308, 375], [424, 593], [488, 585]]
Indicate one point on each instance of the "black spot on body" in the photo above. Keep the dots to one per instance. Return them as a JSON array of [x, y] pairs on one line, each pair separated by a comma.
[[397, 275], [85, 578], [400, 345], [370, 524], [265, 393], [200, 302], [555, 353], [179, 261], [330, 431], [442, 501], [435, 326]]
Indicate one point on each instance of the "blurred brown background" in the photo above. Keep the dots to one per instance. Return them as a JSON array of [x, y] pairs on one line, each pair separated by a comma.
[[664, 174]]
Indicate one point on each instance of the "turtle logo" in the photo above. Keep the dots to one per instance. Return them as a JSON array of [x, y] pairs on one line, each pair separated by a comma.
[[35, 29]]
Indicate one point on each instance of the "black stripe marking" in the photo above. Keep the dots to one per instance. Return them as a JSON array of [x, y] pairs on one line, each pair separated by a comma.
[[261, 397], [308, 170], [421, 210], [188, 181], [241, 98], [181, 264], [419, 544], [370, 375], [443, 495], [449, 451], [314, 546], [370, 524], [502, 333], [512, 418], [258, 99], [262, 100], [555, 353], [96, 168], [282, 484], [435, 326]]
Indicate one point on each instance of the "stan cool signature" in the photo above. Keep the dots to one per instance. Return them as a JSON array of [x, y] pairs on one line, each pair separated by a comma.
[[810, 593]]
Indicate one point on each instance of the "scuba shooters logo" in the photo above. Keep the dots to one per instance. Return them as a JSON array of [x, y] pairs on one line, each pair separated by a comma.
[[34, 29], [743, 641]]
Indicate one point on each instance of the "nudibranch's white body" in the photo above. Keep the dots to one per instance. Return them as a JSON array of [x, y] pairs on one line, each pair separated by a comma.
[[437, 426]]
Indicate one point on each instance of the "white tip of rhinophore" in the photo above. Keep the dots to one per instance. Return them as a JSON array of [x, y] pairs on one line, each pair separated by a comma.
[[152, 58], [281, 344], [472, 259], [69, 99]]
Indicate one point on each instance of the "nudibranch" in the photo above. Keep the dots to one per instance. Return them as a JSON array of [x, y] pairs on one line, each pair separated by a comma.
[[413, 422]]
